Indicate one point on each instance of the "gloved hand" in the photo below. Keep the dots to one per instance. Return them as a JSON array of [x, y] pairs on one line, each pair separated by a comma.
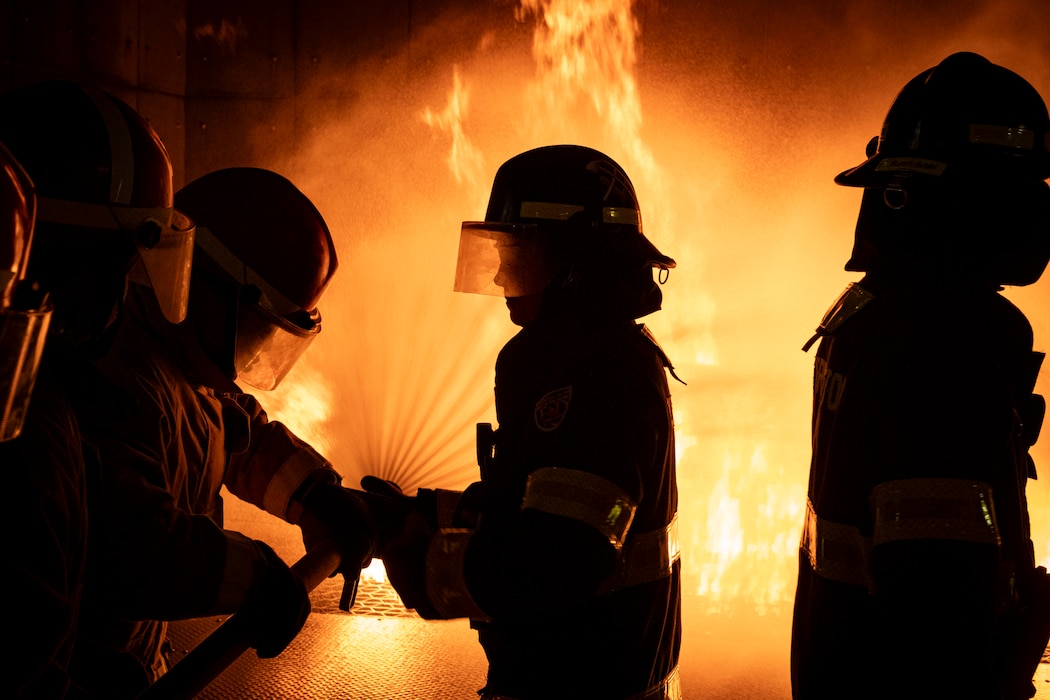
[[277, 606], [437, 507], [340, 514], [408, 522], [393, 507]]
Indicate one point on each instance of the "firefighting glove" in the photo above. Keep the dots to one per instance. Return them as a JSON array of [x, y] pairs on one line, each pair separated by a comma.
[[340, 514], [277, 605], [438, 507], [393, 507], [408, 524]]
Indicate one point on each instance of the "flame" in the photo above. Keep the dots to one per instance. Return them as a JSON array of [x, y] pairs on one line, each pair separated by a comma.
[[374, 572], [405, 365], [303, 402]]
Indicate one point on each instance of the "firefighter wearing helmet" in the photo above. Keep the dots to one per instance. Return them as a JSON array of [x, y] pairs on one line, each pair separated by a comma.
[[916, 557], [101, 182], [565, 554], [263, 256]]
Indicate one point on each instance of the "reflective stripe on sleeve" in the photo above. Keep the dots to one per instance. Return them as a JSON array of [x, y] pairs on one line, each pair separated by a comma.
[[646, 557], [939, 509], [581, 496], [837, 552], [905, 509]]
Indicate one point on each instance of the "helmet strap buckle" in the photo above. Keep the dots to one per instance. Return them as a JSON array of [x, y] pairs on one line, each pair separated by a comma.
[[895, 196]]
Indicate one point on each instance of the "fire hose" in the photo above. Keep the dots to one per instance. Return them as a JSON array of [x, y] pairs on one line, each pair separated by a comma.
[[216, 652]]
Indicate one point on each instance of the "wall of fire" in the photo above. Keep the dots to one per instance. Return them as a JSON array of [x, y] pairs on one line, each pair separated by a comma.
[[750, 109]]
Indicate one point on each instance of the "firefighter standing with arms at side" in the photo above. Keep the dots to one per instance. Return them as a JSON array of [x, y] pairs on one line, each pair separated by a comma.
[[565, 554], [917, 575]]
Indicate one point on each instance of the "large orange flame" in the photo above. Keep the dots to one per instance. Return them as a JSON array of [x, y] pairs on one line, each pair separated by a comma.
[[733, 172]]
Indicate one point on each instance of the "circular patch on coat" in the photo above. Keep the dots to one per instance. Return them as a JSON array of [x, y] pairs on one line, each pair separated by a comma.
[[551, 409]]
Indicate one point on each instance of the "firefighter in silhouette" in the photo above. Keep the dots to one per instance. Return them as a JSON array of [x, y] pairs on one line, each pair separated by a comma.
[[565, 554], [263, 256], [100, 185], [917, 576]]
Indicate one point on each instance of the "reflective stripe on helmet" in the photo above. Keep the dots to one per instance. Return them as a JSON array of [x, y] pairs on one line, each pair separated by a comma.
[[1008, 136], [562, 212], [548, 210], [621, 215], [582, 496], [941, 509], [121, 151]]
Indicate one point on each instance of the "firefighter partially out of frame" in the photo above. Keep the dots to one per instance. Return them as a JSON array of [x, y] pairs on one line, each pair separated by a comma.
[[98, 180], [917, 575], [565, 554]]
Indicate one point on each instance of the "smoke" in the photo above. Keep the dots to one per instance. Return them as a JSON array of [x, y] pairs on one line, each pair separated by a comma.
[[732, 119]]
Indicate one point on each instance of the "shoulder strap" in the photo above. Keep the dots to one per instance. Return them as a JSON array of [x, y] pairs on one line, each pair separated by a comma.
[[853, 299], [648, 335]]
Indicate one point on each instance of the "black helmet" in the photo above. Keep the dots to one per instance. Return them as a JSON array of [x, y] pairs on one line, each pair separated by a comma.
[[552, 206], [964, 117], [104, 191]]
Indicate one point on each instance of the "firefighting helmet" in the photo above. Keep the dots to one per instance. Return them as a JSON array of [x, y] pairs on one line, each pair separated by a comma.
[[955, 182], [24, 315], [263, 258], [550, 207], [101, 174], [965, 117]]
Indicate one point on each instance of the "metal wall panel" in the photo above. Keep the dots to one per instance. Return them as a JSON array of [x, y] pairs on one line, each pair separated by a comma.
[[241, 47], [236, 131], [135, 49]]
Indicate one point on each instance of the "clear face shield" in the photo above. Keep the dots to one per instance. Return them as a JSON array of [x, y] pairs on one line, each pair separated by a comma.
[[163, 237], [22, 336], [507, 260], [268, 344], [272, 330], [23, 331]]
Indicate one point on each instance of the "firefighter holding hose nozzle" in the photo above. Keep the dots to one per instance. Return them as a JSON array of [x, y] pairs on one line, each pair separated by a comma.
[[565, 554], [917, 572], [182, 427]]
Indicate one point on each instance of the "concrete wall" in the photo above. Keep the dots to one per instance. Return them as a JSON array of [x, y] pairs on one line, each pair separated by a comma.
[[208, 75]]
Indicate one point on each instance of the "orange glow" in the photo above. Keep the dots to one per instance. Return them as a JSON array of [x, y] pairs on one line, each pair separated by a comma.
[[733, 170]]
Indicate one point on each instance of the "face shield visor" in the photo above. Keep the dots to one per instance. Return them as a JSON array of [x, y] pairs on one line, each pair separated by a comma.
[[508, 260], [22, 335], [268, 344], [163, 238], [272, 330]]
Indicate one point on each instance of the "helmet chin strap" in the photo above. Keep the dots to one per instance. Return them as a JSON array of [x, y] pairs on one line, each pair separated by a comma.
[[895, 196]]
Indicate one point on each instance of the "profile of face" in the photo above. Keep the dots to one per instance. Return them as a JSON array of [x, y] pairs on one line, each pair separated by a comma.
[[524, 272]]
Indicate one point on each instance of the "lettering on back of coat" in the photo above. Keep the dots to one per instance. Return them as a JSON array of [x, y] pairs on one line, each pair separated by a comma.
[[828, 386]]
